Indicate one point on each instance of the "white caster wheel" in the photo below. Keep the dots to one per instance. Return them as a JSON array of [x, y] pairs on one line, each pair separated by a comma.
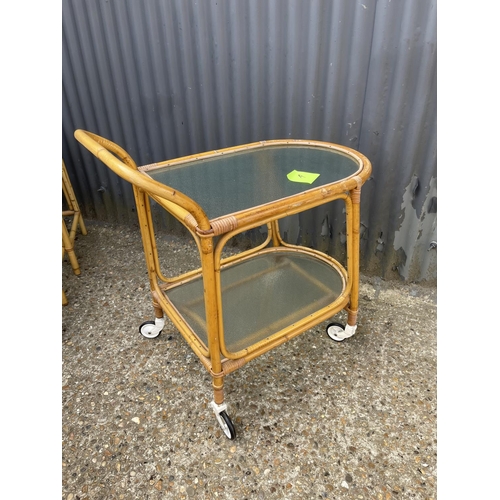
[[336, 331], [339, 332], [149, 329], [226, 425], [223, 419]]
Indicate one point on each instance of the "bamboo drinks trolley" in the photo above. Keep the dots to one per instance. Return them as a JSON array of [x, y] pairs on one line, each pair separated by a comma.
[[233, 309]]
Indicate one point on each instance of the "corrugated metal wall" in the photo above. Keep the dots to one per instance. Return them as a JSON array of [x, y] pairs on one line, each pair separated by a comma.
[[167, 78]]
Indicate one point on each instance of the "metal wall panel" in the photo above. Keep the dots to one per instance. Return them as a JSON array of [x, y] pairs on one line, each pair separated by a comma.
[[167, 78]]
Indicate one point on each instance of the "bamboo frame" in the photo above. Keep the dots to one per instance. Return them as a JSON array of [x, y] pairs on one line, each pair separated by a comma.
[[68, 237], [73, 207], [212, 235]]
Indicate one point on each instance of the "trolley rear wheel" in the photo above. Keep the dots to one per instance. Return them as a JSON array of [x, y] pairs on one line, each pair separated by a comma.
[[147, 329]]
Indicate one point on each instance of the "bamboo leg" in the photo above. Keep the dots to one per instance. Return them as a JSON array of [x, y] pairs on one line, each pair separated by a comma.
[[72, 232], [212, 311], [64, 299], [83, 229], [71, 200], [352, 310], [68, 248], [157, 307], [150, 254]]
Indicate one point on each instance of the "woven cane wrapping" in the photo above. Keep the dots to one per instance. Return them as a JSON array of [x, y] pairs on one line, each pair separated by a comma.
[[224, 225]]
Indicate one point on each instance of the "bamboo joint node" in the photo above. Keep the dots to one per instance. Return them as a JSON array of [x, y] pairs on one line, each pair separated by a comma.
[[352, 316], [356, 195], [224, 225], [190, 221]]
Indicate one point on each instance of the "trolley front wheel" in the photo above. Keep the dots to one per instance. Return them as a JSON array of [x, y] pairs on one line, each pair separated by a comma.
[[149, 330], [226, 424]]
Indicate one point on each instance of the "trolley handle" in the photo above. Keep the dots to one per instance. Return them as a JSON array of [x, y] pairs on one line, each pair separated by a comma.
[[124, 166]]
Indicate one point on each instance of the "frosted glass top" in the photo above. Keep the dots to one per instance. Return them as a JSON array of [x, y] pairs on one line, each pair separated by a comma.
[[261, 296], [239, 180]]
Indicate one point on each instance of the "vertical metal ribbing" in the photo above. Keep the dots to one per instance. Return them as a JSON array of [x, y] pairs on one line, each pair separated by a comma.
[[167, 79]]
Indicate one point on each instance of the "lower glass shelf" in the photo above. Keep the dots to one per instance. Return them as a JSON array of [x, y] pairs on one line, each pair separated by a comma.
[[261, 295]]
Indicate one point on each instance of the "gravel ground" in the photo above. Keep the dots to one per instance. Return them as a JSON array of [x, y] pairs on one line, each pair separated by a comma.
[[314, 418]]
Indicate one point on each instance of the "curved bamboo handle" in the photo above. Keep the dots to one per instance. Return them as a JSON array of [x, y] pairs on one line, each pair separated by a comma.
[[126, 168]]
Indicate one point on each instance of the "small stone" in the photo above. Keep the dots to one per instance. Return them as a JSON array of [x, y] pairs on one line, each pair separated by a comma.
[[348, 478], [137, 420], [344, 485], [158, 485]]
